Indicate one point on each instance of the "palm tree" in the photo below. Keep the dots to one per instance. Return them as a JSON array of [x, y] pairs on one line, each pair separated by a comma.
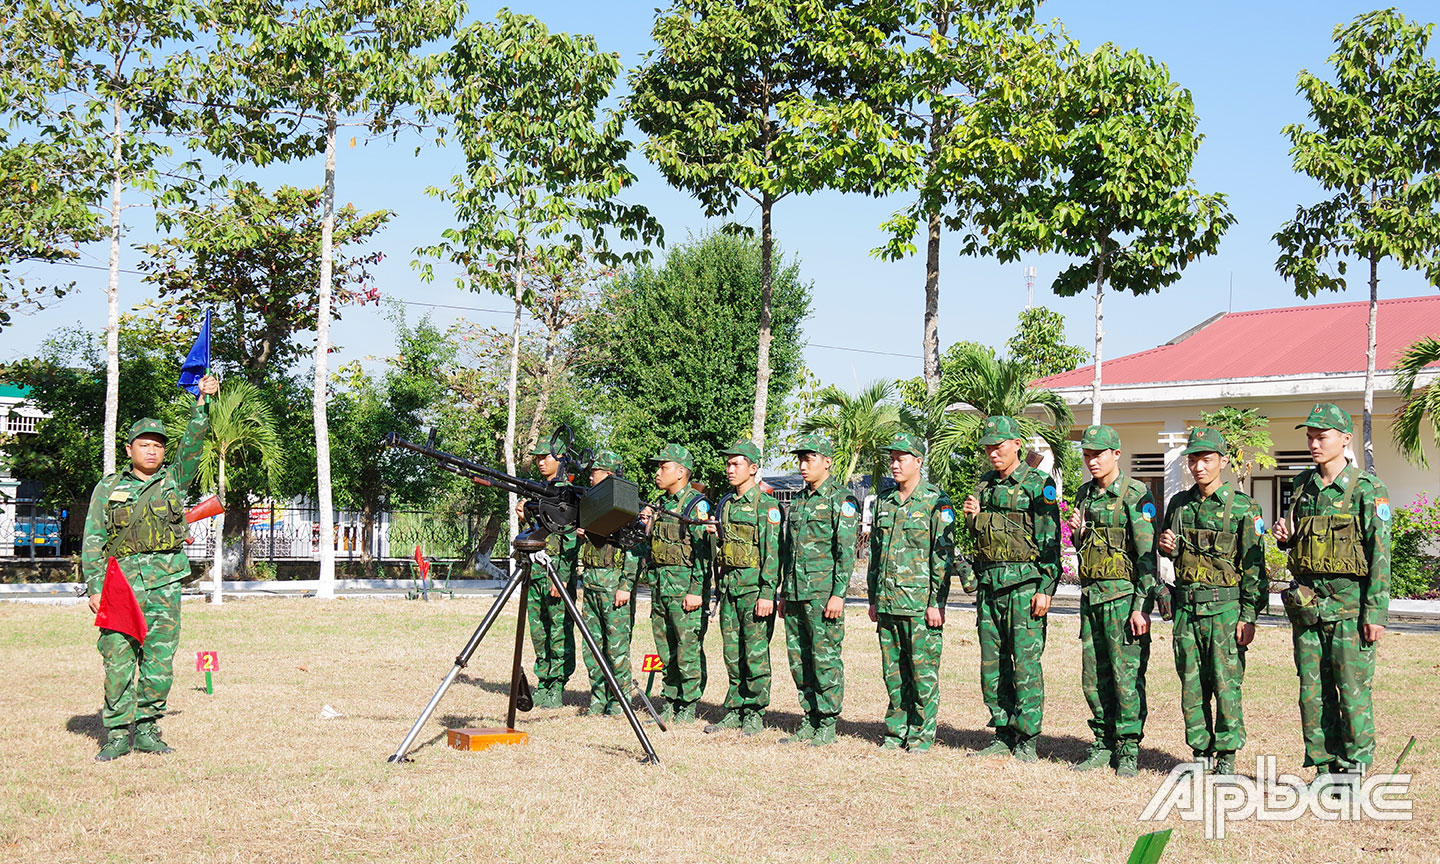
[[858, 425], [1419, 405]]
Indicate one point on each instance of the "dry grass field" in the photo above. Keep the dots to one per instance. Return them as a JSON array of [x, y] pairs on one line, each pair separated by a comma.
[[258, 776]]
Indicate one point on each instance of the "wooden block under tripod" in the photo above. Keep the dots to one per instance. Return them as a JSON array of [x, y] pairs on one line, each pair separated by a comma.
[[484, 739]]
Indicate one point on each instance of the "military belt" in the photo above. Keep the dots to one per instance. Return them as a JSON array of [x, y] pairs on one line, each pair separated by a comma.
[[1206, 593], [1325, 588]]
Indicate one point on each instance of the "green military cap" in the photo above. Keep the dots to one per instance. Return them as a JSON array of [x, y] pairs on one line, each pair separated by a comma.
[[148, 426], [607, 460], [1327, 415], [814, 443], [675, 453], [1203, 439], [744, 447], [906, 443], [542, 448], [1000, 428], [1100, 438]]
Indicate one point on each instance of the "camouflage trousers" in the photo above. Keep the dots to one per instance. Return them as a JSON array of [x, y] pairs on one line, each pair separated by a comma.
[[680, 642], [551, 634], [813, 642], [1336, 667], [610, 627], [1012, 681], [1211, 666], [130, 696], [1112, 670], [746, 640], [910, 660]]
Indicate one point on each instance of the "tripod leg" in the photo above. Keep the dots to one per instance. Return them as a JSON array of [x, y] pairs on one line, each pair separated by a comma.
[[649, 706], [517, 674], [650, 755], [460, 661]]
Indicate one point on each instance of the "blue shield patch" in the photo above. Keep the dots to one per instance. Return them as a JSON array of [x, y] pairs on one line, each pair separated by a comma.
[[847, 509], [1050, 493], [1259, 525], [947, 515], [1147, 512]]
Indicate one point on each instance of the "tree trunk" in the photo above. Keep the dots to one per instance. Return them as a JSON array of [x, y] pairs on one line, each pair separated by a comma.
[[762, 356], [931, 342], [325, 503], [547, 385], [367, 534], [511, 391], [112, 296], [217, 569], [1369, 403], [1099, 341]]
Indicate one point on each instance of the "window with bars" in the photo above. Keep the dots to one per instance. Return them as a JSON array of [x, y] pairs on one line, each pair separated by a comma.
[[1147, 463], [18, 423], [1292, 460]]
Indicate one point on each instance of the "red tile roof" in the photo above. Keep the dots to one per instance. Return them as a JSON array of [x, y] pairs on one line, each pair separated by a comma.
[[1300, 340]]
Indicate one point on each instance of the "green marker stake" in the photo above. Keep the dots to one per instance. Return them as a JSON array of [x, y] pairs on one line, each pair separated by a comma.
[[1149, 847], [209, 684], [1403, 754], [650, 682]]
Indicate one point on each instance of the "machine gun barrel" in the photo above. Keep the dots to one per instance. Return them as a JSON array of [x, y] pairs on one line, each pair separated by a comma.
[[480, 473]]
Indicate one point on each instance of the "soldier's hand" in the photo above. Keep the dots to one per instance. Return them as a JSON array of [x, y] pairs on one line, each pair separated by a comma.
[[209, 385], [691, 602], [1245, 632], [95, 606], [621, 598], [1280, 530], [520, 509], [873, 616], [1077, 520], [1139, 623], [554, 592], [1167, 542], [1039, 605], [1370, 632], [934, 616], [971, 506], [764, 608], [710, 528], [834, 607]]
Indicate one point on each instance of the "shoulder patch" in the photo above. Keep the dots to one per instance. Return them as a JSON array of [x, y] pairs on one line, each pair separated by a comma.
[[702, 509], [848, 509], [1259, 525], [1050, 493], [947, 514], [1147, 512], [773, 516], [1382, 509]]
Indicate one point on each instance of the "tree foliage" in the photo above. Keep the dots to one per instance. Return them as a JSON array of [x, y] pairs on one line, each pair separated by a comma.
[[1039, 345], [1420, 407], [1247, 432], [860, 427]]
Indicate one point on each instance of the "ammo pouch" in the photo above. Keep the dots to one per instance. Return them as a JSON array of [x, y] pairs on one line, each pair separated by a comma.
[[152, 521], [1005, 536], [670, 545], [1103, 554], [1302, 605], [1328, 544], [603, 557], [741, 546], [1207, 556]]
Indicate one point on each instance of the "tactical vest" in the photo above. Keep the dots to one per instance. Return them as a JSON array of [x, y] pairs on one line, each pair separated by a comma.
[[1329, 543], [741, 530], [152, 521], [1105, 546], [1004, 530], [1207, 556], [606, 556], [670, 544]]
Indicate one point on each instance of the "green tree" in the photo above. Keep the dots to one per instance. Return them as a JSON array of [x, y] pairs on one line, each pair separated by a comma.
[[714, 97], [1039, 344], [1117, 192], [1247, 432], [676, 351], [1376, 146], [1418, 406], [544, 167], [860, 426]]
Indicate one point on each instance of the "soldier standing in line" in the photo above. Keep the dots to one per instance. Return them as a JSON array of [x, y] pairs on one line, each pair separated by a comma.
[[678, 559], [749, 560], [605, 568], [137, 516], [551, 632], [1112, 527], [1014, 519], [1338, 536], [1214, 534], [818, 557], [911, 549]]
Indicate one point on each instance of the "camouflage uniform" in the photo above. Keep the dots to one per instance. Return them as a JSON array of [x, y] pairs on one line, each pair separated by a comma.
[[1219, 583], [749, 568], [151, 554], [1116, 548], [1339, 548], [605, 568], [818, 556], [911, 550], [1017, 544], [551, 632], [679, 556]]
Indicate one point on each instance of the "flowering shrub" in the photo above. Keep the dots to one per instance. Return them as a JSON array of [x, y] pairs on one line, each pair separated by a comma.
[[1069, 562], [1415, 540]]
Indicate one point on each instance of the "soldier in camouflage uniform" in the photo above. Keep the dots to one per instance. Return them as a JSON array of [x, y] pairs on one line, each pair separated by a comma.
[[605, 568], [911, 549], [1338, 536], [678, 560], [1113, 530], [1214, 534], [137, 516], [1014, 519], [749, 564], [551, 632], [817, 557]]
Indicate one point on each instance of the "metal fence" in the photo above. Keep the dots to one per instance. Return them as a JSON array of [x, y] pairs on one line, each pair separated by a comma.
[[283, 534]]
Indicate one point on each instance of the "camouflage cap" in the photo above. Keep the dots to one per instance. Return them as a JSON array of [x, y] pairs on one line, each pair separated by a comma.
[[1000, 428], [542, 448], [1203, 439], [744, 447], [814, 443], [147, 426], [675, 453], [1100, 438], [906, 442], [607, 460], [1328, 415]]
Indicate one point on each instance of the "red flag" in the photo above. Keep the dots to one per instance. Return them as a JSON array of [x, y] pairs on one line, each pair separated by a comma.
[[119, 610], [423, 564]]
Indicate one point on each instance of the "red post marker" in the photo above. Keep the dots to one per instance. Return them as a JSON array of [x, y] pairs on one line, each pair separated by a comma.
[[207, 662], [651, 664]]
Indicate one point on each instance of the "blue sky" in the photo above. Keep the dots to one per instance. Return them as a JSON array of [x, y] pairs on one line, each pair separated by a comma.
[[1239, 59]]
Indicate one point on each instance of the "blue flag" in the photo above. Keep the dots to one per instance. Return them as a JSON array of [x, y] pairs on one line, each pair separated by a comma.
[[197, 362]]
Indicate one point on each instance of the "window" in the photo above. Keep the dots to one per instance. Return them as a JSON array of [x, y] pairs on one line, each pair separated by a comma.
[[19, 423], [1147, 463]]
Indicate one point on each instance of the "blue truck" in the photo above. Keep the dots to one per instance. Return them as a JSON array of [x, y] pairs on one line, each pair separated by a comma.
[[38, 533]]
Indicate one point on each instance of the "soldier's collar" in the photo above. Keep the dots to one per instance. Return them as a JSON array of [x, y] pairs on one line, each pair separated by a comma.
[[1116, 487]]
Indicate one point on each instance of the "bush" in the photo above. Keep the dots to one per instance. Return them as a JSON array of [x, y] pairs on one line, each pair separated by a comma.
[[1415, 538]]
